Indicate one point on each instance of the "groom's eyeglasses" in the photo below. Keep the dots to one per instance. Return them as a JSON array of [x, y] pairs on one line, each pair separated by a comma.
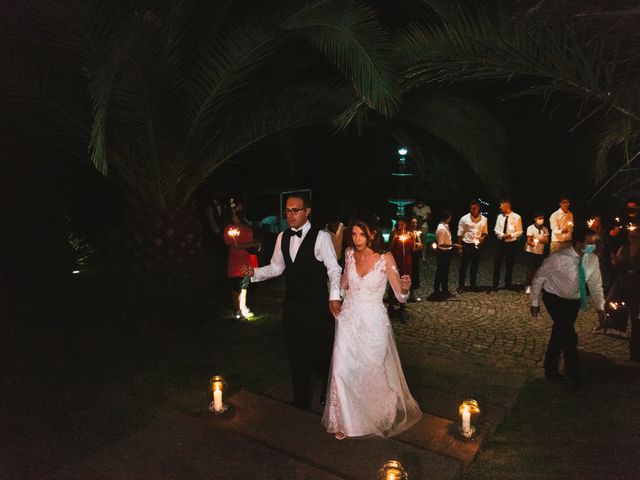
[[292, 211]]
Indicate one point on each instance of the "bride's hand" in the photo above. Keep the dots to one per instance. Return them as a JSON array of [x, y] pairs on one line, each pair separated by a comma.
[[405, 283], [335, 306]]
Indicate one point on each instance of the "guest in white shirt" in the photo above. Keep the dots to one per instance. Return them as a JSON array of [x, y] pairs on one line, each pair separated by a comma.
[[562, 279], [472, 232], [561, 226], [306, 256], [508, 229], [537, 238], [444, 252]]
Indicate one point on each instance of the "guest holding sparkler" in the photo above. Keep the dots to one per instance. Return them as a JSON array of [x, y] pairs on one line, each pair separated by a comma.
[[537, 238], [602, 249], [243, 249], [561, 226], [623, 302], [562, 282], [472, 232], [444, 251], [621, 224], [416, 232], [401, 246]]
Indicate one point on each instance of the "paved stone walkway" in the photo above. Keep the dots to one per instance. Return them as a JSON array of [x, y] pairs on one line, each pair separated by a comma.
[[492, 329]]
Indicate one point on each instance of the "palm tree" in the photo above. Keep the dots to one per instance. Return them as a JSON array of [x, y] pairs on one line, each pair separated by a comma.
[[588, 55], [158, 95]]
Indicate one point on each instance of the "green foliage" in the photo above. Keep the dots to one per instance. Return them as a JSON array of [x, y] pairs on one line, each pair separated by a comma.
[[164, 93], [580, 53]]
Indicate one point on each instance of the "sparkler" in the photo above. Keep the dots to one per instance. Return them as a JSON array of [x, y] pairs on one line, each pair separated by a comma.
[[233, 233]]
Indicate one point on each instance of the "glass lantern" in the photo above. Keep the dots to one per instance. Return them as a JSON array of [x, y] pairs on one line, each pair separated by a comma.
[[218, 387], [392, 470], [469, 412]]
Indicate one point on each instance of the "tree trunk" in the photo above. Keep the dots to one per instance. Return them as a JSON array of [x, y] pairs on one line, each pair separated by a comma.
[[166, 241]]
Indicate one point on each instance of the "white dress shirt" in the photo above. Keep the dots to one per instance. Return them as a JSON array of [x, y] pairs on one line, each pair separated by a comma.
[[540, 234], [323, 250], [443, 236], [514, 227], [471, 229], [559, 221], [559, 275]]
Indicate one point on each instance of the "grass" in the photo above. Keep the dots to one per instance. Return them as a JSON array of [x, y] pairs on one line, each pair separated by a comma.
[[87, 361]]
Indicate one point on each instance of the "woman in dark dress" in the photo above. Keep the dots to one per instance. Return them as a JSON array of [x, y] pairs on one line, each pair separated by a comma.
[[623, 301]]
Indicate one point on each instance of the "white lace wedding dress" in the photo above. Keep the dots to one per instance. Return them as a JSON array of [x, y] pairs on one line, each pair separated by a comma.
[[367, 392]]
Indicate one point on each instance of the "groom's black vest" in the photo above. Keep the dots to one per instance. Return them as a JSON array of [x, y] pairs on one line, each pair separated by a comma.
[[306, 277]]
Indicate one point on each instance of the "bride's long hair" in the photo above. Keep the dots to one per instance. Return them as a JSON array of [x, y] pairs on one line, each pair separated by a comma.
[[369, 225]]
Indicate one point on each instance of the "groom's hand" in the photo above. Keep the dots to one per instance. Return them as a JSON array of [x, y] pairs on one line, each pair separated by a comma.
[[335, 306], [246, 270]]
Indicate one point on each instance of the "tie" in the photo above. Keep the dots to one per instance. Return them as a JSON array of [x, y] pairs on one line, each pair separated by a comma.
[[582, 280], [506, 221], [297, 234]]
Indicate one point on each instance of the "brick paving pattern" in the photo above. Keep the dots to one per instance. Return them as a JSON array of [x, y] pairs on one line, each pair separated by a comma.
[[492, 328]]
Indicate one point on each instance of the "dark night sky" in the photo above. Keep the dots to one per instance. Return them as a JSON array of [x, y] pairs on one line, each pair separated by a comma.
[[346, 172]]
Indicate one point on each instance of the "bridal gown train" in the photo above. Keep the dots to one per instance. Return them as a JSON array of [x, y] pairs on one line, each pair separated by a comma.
[[367, 391]]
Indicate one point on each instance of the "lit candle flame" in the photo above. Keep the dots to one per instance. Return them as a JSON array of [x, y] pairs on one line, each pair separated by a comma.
[[234, 232], [570, 223], [404, 237], [631, 227], [617, 219], [613, 305], [590, 222]]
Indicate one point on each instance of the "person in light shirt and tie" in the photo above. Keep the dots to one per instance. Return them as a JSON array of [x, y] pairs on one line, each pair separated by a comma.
[[562, 281], [561, 222], [508, 229]]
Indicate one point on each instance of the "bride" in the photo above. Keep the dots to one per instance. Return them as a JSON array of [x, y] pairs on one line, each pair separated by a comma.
[[367, 392]]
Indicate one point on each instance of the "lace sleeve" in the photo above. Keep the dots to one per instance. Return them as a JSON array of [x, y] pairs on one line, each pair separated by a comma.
[[393, 276], [348, 261]]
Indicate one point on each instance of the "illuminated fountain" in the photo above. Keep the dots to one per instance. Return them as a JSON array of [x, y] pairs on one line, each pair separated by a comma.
[[401, 179]]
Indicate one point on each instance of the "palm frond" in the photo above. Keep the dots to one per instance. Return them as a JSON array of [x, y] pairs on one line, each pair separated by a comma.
[[274, 110], [477, 48], [226, 68], [622, 135], [349, 34], [44, 100]]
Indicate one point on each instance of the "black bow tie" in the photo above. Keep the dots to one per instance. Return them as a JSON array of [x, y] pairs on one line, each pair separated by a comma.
[[297, 234]]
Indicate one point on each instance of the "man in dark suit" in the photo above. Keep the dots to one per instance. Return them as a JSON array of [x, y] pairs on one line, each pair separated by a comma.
[[306, 257]]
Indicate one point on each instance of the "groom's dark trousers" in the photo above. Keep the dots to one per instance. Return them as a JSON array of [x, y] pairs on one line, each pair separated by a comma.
[[308, 323]]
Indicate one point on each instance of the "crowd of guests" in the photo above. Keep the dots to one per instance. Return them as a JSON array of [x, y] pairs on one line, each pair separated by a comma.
[[583, 259], [611, 259]]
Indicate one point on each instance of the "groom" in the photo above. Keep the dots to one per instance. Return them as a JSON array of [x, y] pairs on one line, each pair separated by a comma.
[[306, 256]]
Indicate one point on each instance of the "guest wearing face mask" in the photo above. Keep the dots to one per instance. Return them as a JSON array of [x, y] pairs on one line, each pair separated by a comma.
[[562, 281], [537, 238]]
